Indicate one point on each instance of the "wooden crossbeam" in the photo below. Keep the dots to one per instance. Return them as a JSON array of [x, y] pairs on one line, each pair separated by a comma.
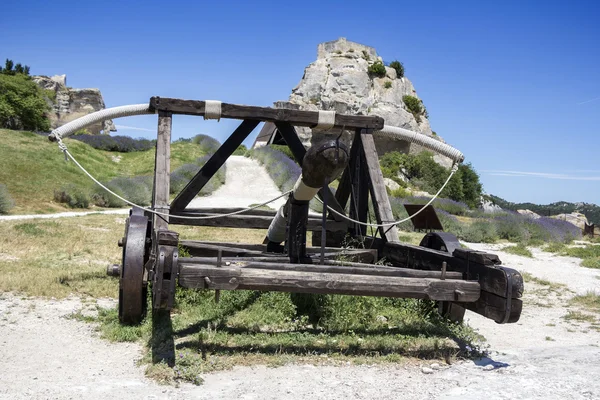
[[234, 111], [248, 221]]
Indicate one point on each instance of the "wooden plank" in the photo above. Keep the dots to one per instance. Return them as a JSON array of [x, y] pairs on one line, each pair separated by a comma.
[[379, 197], [217, 160], [492, 278], [162, 163], [480, 257], [193, 276], [249, 221], [294, 117], [495, 307], [331, 266]]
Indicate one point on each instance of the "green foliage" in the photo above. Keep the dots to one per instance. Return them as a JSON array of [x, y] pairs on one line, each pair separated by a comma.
[[518, 249], [387, 84], [480, 231], [377, 69], [240, 151], [72, 196], [425, 173], [399, 67], [6, 202], [414, 105], [22, 104], [285, 150], [366, 55]]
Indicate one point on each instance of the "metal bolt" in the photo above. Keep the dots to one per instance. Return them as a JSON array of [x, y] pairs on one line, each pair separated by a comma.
[[121, 242], [113, 270]]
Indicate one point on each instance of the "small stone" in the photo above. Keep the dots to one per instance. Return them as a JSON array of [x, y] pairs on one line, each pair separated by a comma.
[[435, 366], [488, 367], [426, 370]]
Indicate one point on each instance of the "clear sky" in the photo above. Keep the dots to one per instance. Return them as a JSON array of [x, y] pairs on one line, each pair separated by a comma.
[[514, 85]]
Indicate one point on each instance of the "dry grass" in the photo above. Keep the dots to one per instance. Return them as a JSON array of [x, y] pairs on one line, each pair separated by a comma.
[[55, 258]]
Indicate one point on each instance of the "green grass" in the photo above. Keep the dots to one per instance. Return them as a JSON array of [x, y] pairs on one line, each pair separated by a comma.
[[32, 167], [590, 301], [518, 249], [579, 316], [590, 254]]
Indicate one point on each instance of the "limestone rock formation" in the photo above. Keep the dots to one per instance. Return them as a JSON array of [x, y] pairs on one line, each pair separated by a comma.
[[69, 104], [339, 80], [529, 213], [577, 219]]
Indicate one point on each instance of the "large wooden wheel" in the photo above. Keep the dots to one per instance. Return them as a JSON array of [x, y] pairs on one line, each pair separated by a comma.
[[132, 287], [444, 241]]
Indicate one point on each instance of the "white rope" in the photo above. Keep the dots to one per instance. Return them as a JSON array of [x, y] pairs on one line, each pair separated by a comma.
[[325, 120], [454, 169], [64, 149], [212, 109]]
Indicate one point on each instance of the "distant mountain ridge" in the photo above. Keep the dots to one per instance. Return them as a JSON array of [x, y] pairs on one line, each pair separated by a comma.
[[590, 210]]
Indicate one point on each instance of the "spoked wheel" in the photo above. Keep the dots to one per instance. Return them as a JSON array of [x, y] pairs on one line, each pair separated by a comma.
[[132, 287], [444, 241]]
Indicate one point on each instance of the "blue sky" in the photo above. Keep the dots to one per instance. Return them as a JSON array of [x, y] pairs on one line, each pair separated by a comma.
[[514, 85]]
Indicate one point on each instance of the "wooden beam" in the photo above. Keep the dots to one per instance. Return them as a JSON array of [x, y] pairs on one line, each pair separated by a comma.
[[281, 263], [291, 138], [496, 308], [359, 200], [294, 117], [162, 162], [228, 278], [379, 197], [248, 221], [217, 160], [493, 278]]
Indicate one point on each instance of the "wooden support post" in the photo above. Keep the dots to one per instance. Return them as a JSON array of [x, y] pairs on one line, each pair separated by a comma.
[[379, 197], [160, 196], [359, 200], [213, 164]]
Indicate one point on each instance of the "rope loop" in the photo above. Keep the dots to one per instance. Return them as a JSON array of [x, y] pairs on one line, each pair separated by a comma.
[[212, 109]]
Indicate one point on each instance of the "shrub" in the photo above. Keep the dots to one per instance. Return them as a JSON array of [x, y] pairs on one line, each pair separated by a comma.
[[123, 144], [450, 223], [182, 175], [518, 249], [480, 231], [22, 104], [399, 67], [136, 189], [377, 69], [6, 202], [207, 144], [387, 84], [72, 196], [240, 151], [413, 104]]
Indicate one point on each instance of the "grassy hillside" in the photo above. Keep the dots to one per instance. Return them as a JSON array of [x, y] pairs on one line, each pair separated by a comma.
[[31, 167]]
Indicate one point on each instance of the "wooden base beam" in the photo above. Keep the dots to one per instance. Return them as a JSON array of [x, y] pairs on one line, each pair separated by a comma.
[[228, 278]]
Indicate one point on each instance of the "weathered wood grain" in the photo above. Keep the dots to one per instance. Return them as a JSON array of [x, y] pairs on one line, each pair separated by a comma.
[[249, 221], [162, 165], [294, 117], [194, 276]]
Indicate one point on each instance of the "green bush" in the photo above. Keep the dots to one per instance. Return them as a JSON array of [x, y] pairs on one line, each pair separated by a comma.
[[240, 151], [72, 196], [413, 104], [480, 231], [6, 202], [22, 104], [136, 189], [377, 69], [399, 67], [387, 84], [518, 249]]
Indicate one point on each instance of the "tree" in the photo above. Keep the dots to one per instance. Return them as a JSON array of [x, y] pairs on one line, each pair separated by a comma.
[[22, 104], [399, 67], [8, 67]]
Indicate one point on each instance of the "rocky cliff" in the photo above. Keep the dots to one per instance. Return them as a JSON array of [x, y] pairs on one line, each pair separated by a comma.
[[339, 80], [68, 104]]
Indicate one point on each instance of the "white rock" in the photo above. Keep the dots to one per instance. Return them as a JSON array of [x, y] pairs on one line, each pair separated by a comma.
[[435, 366], [391, 183], [426, 370], [488, 367]]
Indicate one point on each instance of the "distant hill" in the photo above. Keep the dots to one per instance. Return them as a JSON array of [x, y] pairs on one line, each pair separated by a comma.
[[591, 211]]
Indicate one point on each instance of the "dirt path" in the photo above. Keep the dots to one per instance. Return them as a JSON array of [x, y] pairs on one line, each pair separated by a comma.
[[246, 183], [45, 355]]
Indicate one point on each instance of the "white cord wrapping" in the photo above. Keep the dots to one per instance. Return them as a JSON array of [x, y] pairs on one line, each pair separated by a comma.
[[326, 120], [423, 140], [454, 169], [99, 116], [212, 109]]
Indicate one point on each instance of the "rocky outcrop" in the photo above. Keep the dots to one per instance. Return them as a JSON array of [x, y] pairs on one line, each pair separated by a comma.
[[68, 104], [339, 80], [577, 219]]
